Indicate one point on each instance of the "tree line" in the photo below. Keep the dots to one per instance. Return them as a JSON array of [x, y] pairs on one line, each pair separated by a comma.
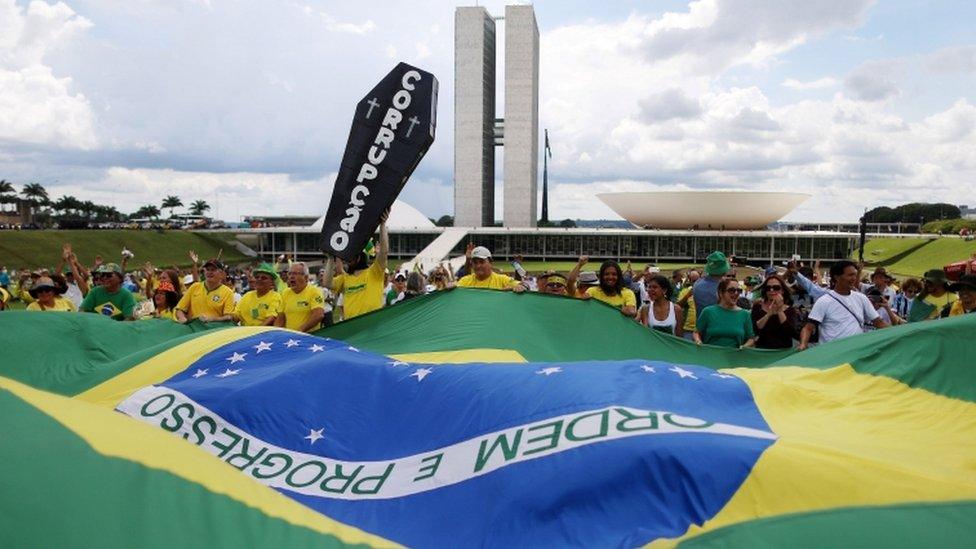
[[916, 212], [42, 209]]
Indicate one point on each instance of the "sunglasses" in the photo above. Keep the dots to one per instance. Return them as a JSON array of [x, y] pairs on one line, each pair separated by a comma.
[[774, 288], [733, 290], [46, 291], [555, 285]]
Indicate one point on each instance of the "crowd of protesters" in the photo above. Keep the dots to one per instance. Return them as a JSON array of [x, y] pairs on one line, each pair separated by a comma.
[[793, 306]]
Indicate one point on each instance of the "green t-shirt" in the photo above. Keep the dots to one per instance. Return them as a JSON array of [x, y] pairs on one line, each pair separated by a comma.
[[118, 305], [725, 328]]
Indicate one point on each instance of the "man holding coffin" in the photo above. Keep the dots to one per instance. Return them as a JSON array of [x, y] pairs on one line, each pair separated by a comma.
[[360, 283]]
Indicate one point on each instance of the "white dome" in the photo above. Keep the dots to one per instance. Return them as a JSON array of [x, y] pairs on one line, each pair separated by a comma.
[[402, 216], [704, 209]]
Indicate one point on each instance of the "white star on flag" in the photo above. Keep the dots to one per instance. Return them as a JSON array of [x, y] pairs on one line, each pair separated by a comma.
[[237, 357], [648, 369], [724, 376], [317, 348], [291, 343], [263, 346], [421, 373], [353, 349], [398, 363], [200, 373], [682, 372], [549, 371], [228, 372], [314, 434]]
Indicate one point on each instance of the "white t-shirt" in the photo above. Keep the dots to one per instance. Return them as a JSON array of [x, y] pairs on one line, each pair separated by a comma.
[[74, 294], [889, 292], [835, 321]]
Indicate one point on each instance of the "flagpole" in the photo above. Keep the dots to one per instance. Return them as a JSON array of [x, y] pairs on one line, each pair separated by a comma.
[[545, 181]]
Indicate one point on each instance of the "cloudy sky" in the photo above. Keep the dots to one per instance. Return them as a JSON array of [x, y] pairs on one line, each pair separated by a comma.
[[247, 104]]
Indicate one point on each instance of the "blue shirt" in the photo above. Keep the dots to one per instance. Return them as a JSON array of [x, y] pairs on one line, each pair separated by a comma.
[[4, 278], [705, 292], [815, 291]]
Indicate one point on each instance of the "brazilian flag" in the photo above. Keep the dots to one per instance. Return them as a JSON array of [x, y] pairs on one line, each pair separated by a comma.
[[475, 417]]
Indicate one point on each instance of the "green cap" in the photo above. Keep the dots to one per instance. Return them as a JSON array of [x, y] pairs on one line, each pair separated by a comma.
[[752, 280], [109, 268], [265, 268], [935, 275], [716, 264]]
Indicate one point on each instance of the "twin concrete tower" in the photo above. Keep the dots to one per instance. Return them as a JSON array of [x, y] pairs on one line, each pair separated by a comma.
[[477, 131]]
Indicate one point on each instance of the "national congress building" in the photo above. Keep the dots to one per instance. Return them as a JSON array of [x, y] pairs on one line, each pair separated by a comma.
[[477, 127]]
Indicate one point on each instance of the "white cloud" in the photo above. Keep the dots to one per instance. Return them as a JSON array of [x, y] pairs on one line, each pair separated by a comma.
[[680, 100], [851, 150], [667, 105], [716, 34], [875, 80], [819, 84], [36, 106], [334, 25], [229, 194]]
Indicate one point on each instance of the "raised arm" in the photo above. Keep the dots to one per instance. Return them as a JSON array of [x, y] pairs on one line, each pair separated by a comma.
[[383, 253], [327, 270], [573, 275], [195, 268]]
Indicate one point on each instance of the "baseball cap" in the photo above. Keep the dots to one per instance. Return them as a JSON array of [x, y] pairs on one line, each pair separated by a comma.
[[216, 264], [400, 276], [556, 278], [480, 252], [883, 272], [265, 268], [935, 275], [108, 268]]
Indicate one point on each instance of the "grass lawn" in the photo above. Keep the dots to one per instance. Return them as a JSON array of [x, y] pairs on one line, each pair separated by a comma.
[[912, 257], [20, 249]]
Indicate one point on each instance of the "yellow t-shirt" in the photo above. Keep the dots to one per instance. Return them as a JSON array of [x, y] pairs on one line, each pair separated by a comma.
[[494, 282], [168, 314], [60, 304], [4, 296], [299, 306], [940, 302], [254, 310], [198, 301], [690, 316], [362, 292], [625, 297], [25, 296]]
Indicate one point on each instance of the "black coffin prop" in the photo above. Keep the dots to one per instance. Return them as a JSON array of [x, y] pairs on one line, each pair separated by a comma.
[[391, 131]]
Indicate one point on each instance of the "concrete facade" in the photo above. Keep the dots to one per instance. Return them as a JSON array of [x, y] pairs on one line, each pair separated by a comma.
[[474, 117], [477, 131], [521, 117]]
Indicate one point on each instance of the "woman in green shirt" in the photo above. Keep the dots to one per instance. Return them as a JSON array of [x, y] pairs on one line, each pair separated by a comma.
[[725, 324]]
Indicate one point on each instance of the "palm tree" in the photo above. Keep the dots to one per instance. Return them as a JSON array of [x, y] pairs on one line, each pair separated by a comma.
[[64, 204], [198, 207], [87, 209], [35, 195], [7, 188], [172, 202], [151, 211]]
